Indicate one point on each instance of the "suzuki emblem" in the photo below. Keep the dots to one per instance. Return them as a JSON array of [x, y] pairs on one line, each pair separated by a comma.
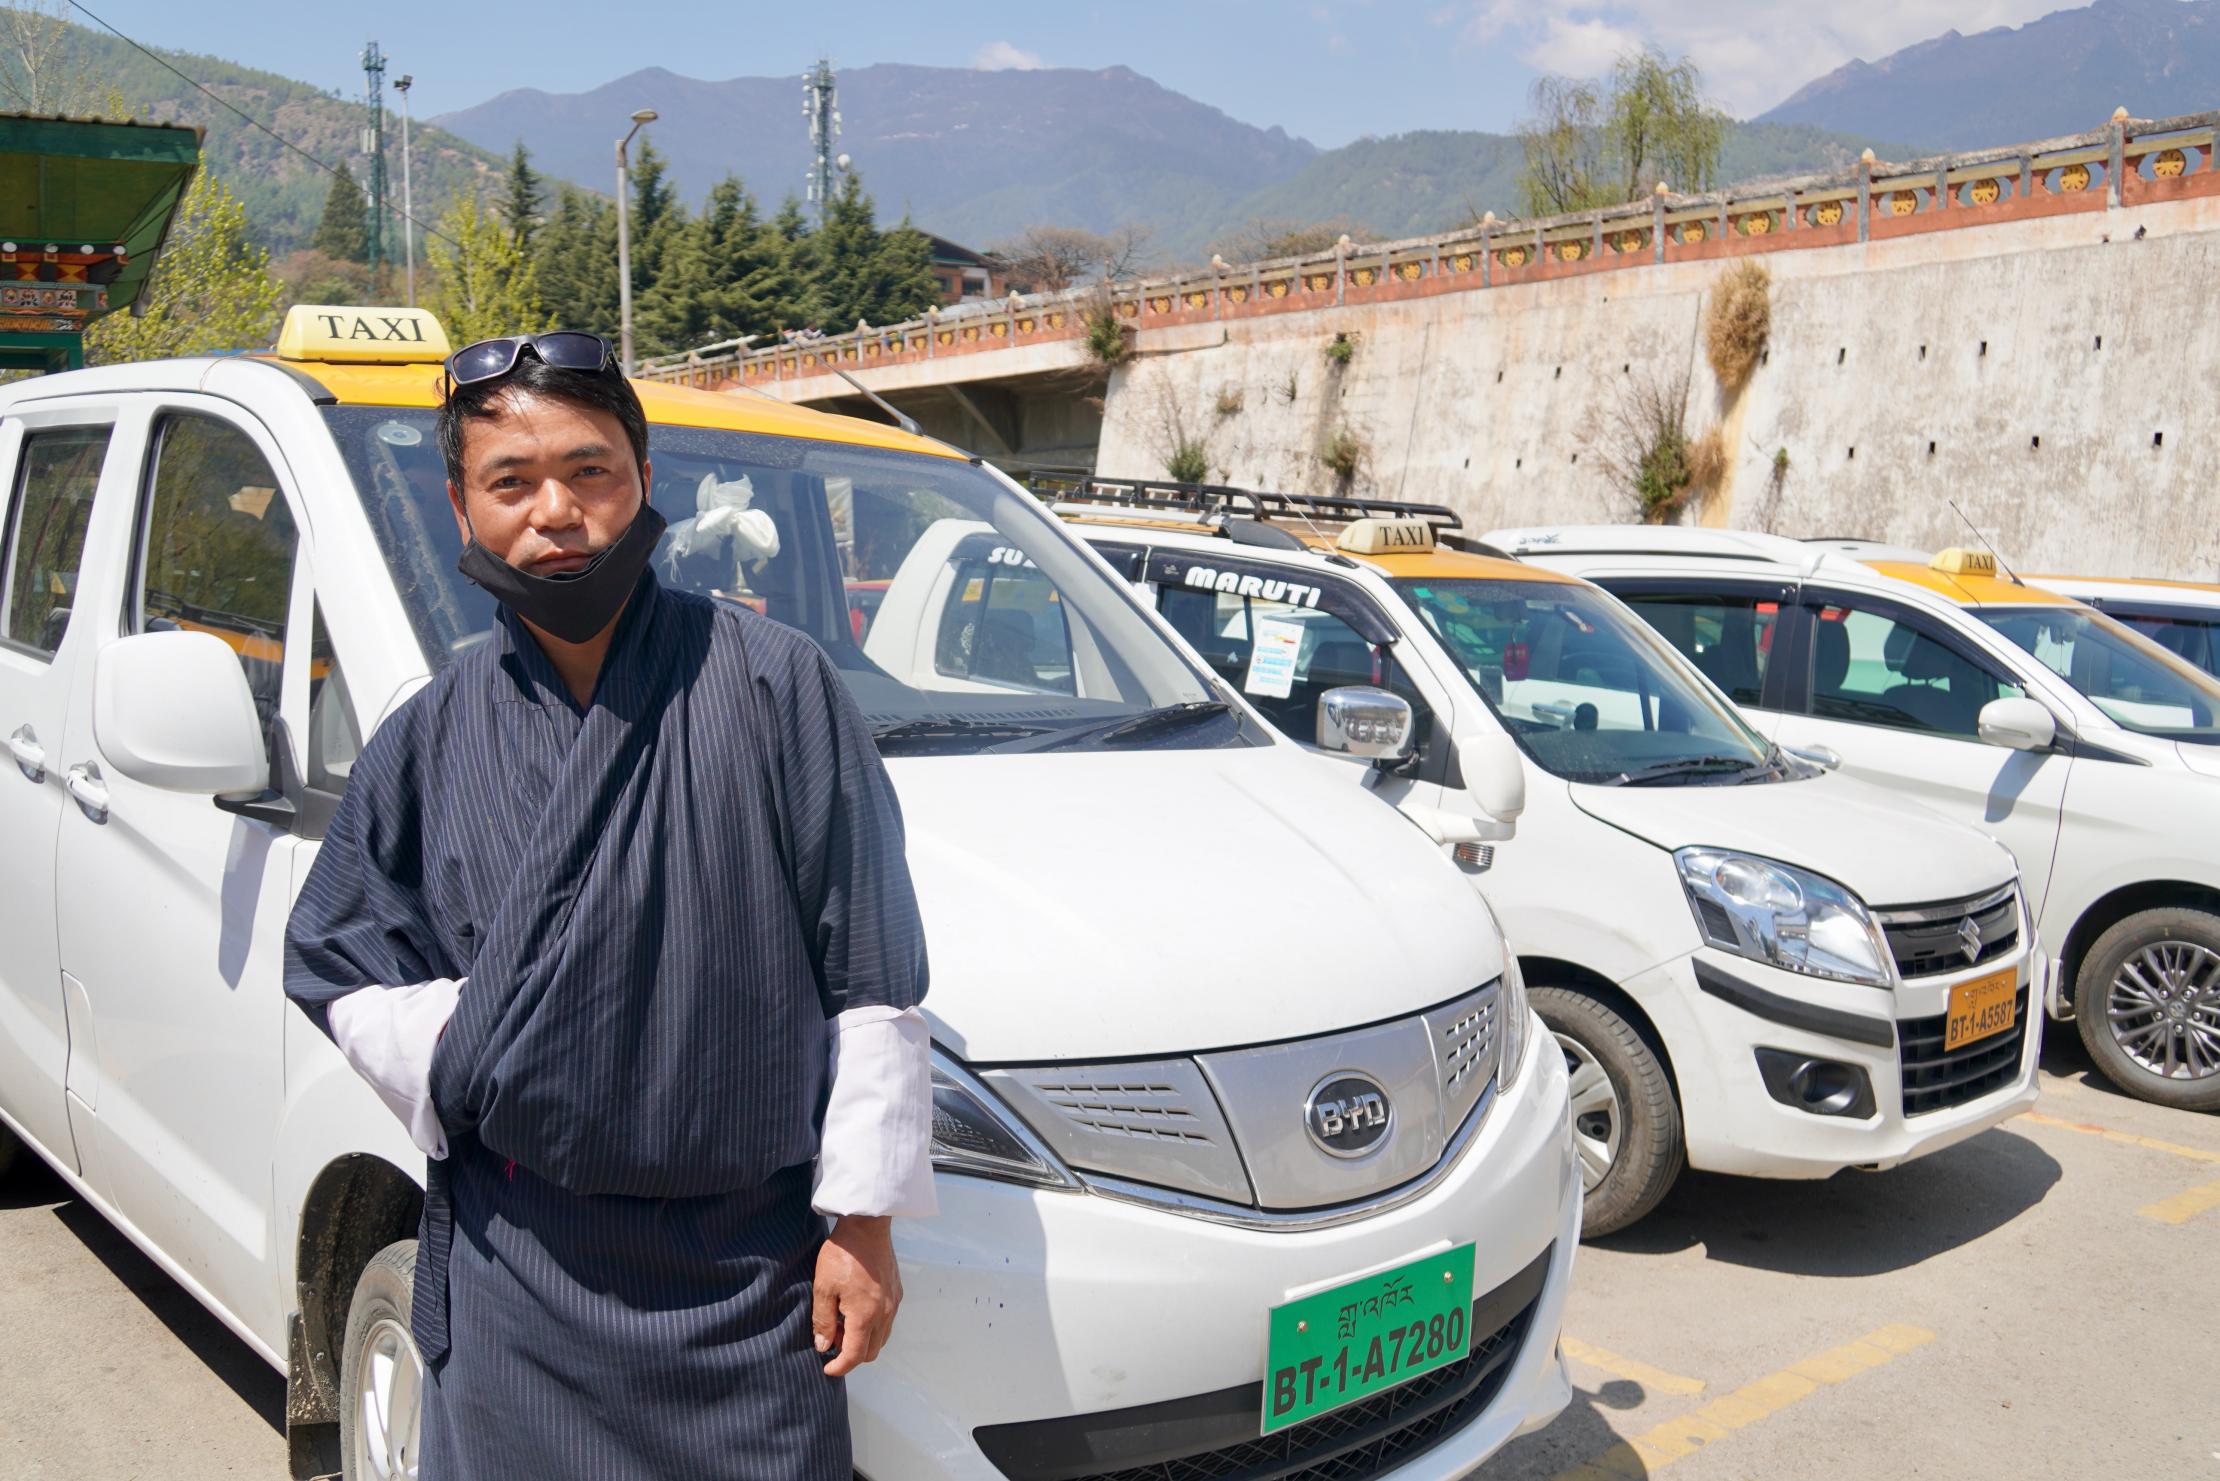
[[1969, 937]]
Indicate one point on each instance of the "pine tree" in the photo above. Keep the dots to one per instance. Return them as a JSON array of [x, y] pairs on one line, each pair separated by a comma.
[[656, 221], [522, 195], [855, 271], [212, 288], [575, 256], [344, 231], [482, 283], [724, 274]]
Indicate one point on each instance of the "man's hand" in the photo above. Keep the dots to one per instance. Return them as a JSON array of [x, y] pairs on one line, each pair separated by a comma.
[[856, 1293]]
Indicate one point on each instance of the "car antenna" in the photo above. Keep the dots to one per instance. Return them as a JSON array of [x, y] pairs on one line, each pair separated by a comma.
[[2009, 573], [902, 419], [1333, 554]]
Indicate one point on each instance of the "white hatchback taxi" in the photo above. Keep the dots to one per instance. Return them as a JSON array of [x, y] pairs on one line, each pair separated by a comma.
[[2087, 748], [1245, 1166], [1744, 960]]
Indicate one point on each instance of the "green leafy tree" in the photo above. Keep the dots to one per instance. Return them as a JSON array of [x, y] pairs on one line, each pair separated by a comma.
[[212, 288], [726, 273], [855, 271], [1587, 146], [483, 284], [523, 192], [575, 257], [344, 231]]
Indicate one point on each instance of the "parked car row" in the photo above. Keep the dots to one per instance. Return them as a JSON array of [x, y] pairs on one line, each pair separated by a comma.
[[1248, 1154]]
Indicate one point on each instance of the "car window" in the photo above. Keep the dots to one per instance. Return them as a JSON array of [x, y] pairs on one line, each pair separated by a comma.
[[2139, 684], [216, 548], [1005, 623], [1285, 655], [57, 473], [334, 737], [1729, 637], [2192, 639], [1877, 667]]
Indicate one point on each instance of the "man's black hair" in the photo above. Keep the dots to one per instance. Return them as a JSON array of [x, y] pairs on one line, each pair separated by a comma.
[[594, 390]]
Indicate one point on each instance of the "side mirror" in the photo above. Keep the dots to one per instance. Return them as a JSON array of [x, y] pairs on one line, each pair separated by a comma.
[[1826, 758], [2021, 724], [1495, 778], [1359, 720], [172, 710]]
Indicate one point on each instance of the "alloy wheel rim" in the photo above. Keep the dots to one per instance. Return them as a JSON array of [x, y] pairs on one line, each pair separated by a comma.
[[389, 1422], [1599, 1124], [2164, 1010]]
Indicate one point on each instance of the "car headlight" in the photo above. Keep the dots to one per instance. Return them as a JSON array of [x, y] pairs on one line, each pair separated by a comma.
[[1515, 1017], [973, 1132], [1783, 916]]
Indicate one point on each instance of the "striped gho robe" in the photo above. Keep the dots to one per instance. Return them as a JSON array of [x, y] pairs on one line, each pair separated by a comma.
[[658, 901]]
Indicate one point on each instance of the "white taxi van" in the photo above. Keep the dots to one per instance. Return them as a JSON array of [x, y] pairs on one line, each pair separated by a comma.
[[1747, 963], [2090, 750], [1272, 1181]]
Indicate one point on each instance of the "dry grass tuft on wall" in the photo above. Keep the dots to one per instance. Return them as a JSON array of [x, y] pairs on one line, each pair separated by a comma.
[[1738, 323]]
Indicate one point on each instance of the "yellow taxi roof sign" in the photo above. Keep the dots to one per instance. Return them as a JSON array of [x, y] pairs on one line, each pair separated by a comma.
[[1959, 561], [1384, 536], [361, 335]]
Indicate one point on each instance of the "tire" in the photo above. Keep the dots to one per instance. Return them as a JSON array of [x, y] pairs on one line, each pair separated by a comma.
[[381, 1378], [1625, 1119], [10, 1150], [2147, 1003]]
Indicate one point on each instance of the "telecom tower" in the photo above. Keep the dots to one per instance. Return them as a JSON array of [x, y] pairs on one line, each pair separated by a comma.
[[373, 144], [821, 103]]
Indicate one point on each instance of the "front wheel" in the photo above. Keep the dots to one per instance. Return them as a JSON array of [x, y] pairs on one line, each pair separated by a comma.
[[381, 1378], [2147, 1003], [1626, 1123]]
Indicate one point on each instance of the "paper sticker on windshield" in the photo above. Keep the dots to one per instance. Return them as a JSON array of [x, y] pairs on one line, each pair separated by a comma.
[[1272, 660]]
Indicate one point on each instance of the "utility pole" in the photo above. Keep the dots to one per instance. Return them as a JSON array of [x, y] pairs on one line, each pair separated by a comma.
[[373, 144], [821, 103], [408, 198], [641, 118]]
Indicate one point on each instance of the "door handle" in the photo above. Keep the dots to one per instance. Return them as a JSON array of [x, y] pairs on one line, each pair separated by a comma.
[[29, 758], [83, 782]]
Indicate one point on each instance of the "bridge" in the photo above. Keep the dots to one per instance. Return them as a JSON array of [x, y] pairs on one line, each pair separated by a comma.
[[1947, 317]]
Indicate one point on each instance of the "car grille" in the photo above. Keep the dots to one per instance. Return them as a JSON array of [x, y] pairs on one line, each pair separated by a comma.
[[1353, 1443], [1935, 1080], [1928, 939]]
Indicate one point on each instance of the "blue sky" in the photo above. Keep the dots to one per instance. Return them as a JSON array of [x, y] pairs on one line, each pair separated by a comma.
[[1328, 70]]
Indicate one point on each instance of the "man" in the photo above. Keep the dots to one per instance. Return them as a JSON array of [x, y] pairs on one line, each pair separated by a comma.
[[610, 911]]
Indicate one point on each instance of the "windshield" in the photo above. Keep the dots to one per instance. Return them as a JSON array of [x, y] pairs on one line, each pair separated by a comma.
[[2194, 637], [960, 615], [2140, 685], [1587, 689]]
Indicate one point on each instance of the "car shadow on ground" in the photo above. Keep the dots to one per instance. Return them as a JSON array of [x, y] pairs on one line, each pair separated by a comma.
[[2066, 1057], [1855, 1223], [257, 1384], [1580, 1436]]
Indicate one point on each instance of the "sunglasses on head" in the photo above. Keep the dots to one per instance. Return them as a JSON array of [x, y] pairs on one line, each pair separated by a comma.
[[565, 349]]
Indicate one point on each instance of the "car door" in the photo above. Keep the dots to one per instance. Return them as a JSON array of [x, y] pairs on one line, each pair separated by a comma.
[[1330, 634], [52, 457], [173, 907], [1727, 628], [1898, 696]]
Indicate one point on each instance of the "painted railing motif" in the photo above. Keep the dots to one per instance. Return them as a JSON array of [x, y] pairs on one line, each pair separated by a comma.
[[2128, 162]]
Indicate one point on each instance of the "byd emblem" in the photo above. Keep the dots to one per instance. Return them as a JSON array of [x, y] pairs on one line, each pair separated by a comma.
[[1348, 1115]]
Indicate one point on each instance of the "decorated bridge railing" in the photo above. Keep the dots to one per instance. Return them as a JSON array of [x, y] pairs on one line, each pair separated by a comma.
[[2128, 162]]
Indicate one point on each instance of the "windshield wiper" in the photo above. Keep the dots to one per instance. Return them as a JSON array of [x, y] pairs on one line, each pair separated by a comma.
[[1123, 728], [1682, 766], [950, 728]]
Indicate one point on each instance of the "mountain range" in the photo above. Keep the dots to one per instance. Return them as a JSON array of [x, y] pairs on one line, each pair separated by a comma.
[[2061, 74]]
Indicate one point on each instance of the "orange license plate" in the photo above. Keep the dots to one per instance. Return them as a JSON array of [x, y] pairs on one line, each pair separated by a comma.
[[1982, 1006]]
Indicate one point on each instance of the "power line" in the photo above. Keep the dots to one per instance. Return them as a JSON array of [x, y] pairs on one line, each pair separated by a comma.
[[249, 119]]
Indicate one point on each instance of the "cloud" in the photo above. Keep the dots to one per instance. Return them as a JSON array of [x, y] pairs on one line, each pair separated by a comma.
[[1753, 52], [1002, 56]]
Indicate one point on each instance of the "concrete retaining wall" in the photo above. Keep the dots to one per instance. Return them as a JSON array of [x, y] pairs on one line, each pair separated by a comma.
[[1900, 373]]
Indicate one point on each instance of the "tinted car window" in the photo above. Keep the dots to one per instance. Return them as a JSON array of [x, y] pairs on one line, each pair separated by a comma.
[[57, 474], [1871, 667], [1730, 638], [2192, 639]]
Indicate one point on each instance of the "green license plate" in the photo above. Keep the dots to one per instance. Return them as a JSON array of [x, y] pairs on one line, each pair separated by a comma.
[[1336, 1346]]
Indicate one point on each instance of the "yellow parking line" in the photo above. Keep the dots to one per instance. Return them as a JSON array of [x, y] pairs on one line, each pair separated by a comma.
[[1655, 1379], [2183, 1207], [1675, 1439], [2194, 1154]]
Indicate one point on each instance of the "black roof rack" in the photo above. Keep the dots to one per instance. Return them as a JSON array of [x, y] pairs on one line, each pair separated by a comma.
[[1225, 501]]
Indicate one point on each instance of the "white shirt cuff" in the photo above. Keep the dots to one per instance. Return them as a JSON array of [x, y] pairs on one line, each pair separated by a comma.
[[388, 1035], [876, 1154]]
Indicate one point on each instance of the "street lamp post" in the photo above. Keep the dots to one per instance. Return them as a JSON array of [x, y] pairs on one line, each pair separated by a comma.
[[408, 201], [640, 120]]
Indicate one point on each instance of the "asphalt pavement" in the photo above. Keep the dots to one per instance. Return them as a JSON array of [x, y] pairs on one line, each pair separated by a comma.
[[2035, 1303]]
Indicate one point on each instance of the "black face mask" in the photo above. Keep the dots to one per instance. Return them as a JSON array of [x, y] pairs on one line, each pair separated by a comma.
[[577, 604]]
